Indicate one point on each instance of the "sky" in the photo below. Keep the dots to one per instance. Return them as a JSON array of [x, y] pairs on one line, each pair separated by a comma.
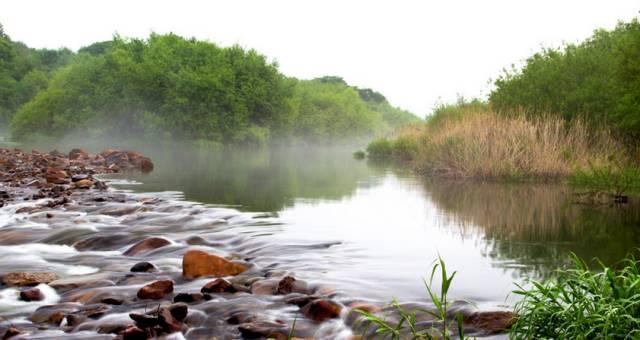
[[417, 53]]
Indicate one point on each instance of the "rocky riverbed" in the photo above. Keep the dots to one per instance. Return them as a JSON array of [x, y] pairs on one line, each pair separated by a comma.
[[79, 259]]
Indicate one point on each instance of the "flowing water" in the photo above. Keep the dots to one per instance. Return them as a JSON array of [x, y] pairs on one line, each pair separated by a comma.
[[366, 231]]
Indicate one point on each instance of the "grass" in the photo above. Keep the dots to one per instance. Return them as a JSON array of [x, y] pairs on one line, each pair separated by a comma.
[[474, 142], [614, 179], [582, 304], [408, 327]]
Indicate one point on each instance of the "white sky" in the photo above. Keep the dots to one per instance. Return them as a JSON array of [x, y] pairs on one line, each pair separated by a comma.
[[415, 52]]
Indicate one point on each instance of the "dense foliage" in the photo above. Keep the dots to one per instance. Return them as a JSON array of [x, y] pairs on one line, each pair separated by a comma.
[[24, 72], [598, 78], [169, 86]]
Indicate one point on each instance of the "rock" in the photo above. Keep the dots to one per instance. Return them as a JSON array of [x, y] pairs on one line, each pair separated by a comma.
[[364, 306], [31, 294], [156, 290], [168, 322], [321, 310], [112, 300], [264, 287], [27, 278], [218, 286], [83, 184], [191, 297], [179, 310], [196, 263], [56, 176], [76, 178], [491, 322], [143, 320], [78, 154], [285, 286], [143, 267], [56, 318], [133, 333], [147, 245], [300, 300], [74, 320], [111, 328], [11, 332], [263, 330]]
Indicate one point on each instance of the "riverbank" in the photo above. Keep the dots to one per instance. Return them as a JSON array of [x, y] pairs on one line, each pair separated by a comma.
[[112, 263]]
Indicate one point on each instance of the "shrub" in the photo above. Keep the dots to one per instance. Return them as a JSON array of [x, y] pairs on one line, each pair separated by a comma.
[[380, 149]]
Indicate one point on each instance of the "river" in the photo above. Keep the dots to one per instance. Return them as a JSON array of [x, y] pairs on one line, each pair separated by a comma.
[[369, 231]]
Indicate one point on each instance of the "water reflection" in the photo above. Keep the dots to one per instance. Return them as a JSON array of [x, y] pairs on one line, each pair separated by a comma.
[[536, 226]]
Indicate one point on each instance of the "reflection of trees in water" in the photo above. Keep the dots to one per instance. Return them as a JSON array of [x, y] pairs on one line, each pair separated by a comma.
[[258, 179], [533, 227]]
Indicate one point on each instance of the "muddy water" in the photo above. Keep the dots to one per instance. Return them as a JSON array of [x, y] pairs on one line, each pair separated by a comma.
[[360, 231]]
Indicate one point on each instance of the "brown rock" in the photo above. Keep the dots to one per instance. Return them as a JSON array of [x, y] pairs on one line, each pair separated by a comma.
[[31, 294], [364, 306], [147, 245], [191, 297], [179, 310], [321, 310], [218, 286], [74, 320], [133, 333], [56, 176], [27, 278], [285, 286], [196, 263], [264, 287], [78, 154], [492, 322], [83, 184], [168, 322], [156, 290], [143, 320], [263, 330], [11, 332]]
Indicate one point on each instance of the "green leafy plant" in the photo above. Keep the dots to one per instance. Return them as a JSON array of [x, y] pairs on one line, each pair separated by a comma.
[[582, 304], [615, 179], [407, 327]]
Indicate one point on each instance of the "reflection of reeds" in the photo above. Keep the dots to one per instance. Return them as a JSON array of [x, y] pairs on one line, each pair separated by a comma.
[[537, 223]]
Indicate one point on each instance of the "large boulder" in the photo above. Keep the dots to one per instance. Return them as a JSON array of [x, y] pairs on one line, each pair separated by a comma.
[[197, 263]]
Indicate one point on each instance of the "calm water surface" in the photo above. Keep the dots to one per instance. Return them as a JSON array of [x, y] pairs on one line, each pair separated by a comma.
[[380, 229]]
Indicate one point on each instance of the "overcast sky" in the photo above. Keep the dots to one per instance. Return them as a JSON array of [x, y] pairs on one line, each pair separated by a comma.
[[417, 53]]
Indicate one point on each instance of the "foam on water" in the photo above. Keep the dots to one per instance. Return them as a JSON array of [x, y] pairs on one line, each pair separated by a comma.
[[10, 300]]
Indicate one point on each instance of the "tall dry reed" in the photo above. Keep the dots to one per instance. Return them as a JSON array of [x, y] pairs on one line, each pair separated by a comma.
[[489, 145]]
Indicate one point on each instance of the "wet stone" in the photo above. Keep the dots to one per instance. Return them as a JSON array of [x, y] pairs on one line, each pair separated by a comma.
[[191, 297], [27, 278], [133, 333], [285, 286], [179, 311], [197, 263], [491, 322], [218, 286], [74, 320], [263, 329], [156, 290], [31, 294], [11, 332], [143, 267], [167, 321], [321, 310], [147, 245], [143, 320]]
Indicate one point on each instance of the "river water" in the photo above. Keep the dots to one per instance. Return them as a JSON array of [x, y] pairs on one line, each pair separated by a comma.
[[386, 226], [368, 231]]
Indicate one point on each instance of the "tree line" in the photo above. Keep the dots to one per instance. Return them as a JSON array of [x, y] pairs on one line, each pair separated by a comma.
[[173, 87]]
